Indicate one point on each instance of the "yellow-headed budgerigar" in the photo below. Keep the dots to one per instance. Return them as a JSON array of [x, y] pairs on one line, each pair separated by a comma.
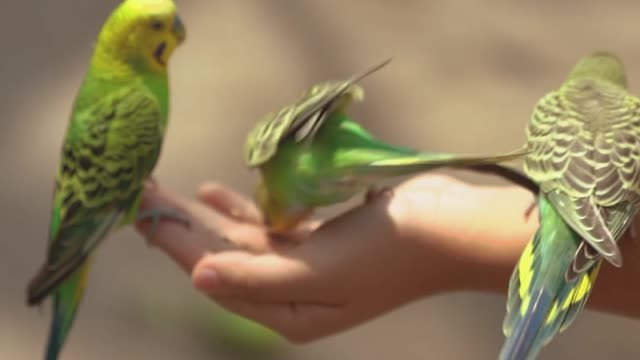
[[311, 154], [584, 140], [112, 144]]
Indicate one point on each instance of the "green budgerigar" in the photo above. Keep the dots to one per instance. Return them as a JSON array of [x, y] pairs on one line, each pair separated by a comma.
[[111, 146], [584, 140], [311, 154]]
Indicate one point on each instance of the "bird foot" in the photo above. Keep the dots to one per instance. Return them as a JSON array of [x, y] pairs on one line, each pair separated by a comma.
[[374, 194], [282, 238], [529, 210], [151, 183], [156, 215], [633, 232]]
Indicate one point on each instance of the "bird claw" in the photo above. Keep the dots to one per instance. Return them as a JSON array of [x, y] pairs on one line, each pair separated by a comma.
[[529, 210], [155, 215], [374, 194], [633, 232], [150, 183], [281, 238]]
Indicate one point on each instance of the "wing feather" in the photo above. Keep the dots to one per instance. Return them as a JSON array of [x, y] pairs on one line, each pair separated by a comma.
[[303, 118], [585, 152], [109, 151]]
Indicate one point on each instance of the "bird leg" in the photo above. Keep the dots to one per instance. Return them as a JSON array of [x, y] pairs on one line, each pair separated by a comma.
[[151, 183], [529, 209], [374, 193], [633, 232], [155, 215], [284, 240]]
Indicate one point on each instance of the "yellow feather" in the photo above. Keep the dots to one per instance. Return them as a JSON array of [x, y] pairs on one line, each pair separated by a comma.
[[552, 314], [525, 267]]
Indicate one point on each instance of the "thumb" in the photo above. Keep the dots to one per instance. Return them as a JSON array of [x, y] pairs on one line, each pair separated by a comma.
[[267, 277], [274, 290]]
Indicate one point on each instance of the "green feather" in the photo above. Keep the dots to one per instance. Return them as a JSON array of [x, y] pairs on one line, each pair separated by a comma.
[[110, 148], [304, 117], [65, 306], [312, 154], [583, 143], [541, 300]]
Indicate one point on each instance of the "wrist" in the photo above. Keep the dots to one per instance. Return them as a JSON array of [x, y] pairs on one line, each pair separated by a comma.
[[422, 208], [500, 231], [469, 237]]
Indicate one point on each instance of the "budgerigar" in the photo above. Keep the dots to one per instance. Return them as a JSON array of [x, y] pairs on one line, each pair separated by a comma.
[[584, 140], [311, 154], [112, 144]]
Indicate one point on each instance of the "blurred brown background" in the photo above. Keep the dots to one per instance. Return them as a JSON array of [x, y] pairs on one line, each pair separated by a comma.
[[465, 76]]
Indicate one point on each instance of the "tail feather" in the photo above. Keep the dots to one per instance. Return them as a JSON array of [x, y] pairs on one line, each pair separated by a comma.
[[69, 251], [64, 275], [67, 298], [412, 163], [511, 175], [577, 300], [524, 342], [542, 301], [45, 282], [429, 161]]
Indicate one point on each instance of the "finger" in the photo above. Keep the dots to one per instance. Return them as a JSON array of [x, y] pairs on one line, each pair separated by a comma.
[[229, 202], [210, 226], [297, 322], [238, 207], [185, 245], [304, 272], [268, 277]]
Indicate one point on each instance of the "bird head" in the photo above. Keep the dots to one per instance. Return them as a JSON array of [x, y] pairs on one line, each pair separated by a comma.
[[143, 33], [602, 65]]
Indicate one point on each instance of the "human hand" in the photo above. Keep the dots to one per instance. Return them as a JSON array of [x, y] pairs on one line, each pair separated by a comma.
[[425, 239], [435, 234]]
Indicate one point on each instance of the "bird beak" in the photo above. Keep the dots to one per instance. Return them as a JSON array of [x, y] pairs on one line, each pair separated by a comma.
[[179, 30]]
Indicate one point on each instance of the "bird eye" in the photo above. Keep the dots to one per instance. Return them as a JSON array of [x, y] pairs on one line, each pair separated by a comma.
[[157, 25]]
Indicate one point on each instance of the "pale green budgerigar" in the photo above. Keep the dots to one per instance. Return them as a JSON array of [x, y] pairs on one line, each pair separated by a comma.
[[112, 144], [311, 154], [584, 140]]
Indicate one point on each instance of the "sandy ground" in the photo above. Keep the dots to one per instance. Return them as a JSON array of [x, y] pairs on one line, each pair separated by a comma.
[[465, 76]]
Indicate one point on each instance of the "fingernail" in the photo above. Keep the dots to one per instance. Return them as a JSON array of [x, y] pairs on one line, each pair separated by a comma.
[[205, 279]]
